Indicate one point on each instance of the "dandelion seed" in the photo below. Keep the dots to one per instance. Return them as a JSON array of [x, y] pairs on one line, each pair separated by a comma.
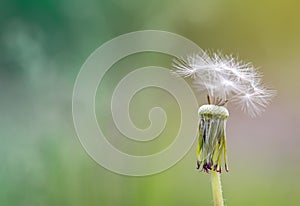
[[227, 78]]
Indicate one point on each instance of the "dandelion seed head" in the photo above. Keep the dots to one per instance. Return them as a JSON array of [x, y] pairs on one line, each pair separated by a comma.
[[228, 78]]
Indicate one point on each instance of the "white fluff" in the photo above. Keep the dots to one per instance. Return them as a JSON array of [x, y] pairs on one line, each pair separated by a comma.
[[227, 78]]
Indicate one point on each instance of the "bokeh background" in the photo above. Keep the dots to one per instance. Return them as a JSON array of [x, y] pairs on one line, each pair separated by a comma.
[[42, 47]]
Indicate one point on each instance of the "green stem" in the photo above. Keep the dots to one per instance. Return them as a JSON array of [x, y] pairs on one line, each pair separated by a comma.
[[216, 188]]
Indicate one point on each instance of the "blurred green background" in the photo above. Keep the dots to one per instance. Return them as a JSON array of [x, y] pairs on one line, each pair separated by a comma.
[[42, 47]]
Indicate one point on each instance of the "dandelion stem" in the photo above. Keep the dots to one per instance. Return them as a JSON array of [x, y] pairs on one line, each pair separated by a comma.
[[216, 188]]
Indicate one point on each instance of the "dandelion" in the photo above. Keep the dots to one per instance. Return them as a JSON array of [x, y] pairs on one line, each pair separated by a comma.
[[226, 80]]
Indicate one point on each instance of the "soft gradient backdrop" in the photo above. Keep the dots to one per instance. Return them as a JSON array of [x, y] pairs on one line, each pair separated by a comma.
[[42, 47]]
